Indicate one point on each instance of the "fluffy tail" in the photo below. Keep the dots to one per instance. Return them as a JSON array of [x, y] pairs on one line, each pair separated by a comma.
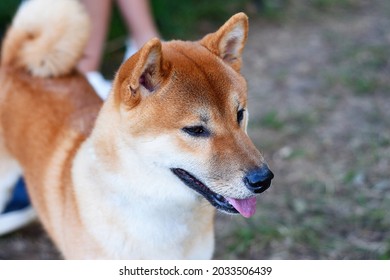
[[47, 37]]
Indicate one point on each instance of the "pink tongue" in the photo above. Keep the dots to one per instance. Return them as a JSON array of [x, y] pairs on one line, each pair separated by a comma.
[[246, 207]]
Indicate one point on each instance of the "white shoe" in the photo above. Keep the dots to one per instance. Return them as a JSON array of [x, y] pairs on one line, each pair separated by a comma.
[[15, 220], [131, 49], [99, 83], [15, 209]]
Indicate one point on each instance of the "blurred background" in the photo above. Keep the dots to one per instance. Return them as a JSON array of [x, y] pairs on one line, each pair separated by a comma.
[[318, 73]]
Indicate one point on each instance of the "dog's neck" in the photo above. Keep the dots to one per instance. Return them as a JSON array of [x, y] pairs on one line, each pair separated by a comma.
[[137, 199]]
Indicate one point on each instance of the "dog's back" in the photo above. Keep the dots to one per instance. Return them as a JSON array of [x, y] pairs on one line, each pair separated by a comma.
[[39, 82]]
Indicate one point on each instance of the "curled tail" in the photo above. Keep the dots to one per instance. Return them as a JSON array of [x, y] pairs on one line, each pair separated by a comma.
[[47, 37]]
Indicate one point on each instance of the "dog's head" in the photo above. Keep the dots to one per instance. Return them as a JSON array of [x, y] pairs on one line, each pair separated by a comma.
[[186, 104]]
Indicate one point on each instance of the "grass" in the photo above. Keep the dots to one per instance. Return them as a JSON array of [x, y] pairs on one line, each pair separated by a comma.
[[360, 67], [318, 224], [350, 176], [331, 4], [272, 120], [252, 237], [386, 254]]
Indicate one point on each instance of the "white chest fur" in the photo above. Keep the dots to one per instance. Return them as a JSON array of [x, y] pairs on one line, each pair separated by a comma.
[[139, 211]]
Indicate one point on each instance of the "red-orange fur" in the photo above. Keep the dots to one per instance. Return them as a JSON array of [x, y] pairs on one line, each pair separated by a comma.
[[45, 122], [38, 117]]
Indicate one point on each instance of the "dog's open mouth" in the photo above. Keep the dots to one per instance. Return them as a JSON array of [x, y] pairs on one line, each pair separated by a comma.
[[246, 207]]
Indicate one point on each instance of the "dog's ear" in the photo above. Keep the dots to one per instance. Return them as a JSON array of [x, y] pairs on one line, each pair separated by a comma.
[[229, 41], [142, 74]]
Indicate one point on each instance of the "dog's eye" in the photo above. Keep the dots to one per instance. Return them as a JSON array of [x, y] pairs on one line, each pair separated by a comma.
[[197, 131], [240, 115]]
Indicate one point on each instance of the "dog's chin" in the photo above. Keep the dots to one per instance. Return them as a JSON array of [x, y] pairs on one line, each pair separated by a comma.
[[217, 200]]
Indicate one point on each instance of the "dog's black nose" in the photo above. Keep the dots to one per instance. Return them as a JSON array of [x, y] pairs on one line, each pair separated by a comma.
[[258, 180]]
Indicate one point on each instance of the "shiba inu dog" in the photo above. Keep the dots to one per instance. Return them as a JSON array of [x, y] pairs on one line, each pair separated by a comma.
[[140, 175]]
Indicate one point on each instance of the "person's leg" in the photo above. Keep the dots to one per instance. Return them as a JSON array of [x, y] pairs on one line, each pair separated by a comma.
[[139, 20], [99, 12], [140, 23]]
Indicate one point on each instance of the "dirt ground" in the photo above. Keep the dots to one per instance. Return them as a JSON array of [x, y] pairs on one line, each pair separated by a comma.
[[319, 103]]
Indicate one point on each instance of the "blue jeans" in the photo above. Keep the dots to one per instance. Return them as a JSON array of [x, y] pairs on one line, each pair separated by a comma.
[[19, 198]]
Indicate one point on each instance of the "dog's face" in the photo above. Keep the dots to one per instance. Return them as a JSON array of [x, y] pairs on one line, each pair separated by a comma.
[[186, 104]]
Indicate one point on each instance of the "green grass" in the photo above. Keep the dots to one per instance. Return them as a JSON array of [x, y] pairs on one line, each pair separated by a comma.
[[350, 176], [361, 67], [253, 236], [386, 254], [297, 153], [331, 4], [272, 120]]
